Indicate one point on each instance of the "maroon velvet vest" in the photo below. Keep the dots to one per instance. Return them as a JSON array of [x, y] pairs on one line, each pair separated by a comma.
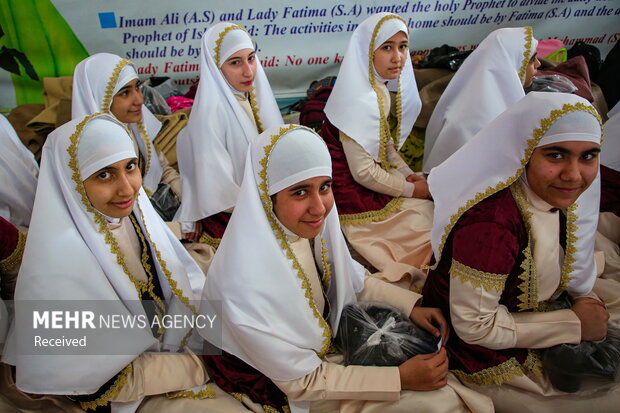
[[214, 227], [236, 377], [351, 197], [475, 363]]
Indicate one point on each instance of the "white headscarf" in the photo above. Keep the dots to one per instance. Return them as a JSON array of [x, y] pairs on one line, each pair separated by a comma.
[[355, 105], [96, 80], [610, 149], [269, 319], [71, 255], [18, 177], [496, 157], [211, 149], [489, 81]]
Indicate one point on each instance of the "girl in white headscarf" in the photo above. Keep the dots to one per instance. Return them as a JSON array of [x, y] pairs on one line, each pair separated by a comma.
[[491, 79], [234, 103], [282, 298], [95, 238], [509, 238], [377, 193], [18, 177]]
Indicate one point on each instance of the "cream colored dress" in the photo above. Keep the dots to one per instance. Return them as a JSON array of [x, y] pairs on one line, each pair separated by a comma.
[[333, 387], [478, 319], [399, 245], [163, 379]]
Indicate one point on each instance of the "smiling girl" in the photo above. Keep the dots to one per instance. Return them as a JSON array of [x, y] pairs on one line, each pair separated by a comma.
[[383, 205], [234, 103], [108, 245]]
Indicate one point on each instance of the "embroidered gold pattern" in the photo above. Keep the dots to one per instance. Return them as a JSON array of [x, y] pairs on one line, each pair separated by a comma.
[[529, 276], [12, 261], [372, 216], [104, 399], [327, 271], [101, 223], [487, 280], [537, 134], [384, 127], [209, 240], [220, 39], [107, 103], [254, 106], [281, 236], [503, 372], [570, 250], [527, 52], [266, 408], [206, 393]]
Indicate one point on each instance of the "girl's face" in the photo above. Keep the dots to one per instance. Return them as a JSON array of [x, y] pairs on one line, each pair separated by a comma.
[[127, 103], [302, 207], [389, 58], [530, 71], [113, 190], [240, 70]]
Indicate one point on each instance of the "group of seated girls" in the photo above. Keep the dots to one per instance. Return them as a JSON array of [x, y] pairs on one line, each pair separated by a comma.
[[479, 256]]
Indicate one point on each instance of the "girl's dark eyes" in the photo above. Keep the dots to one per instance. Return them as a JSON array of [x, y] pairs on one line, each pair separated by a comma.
[[131, 166], [325, 187], [104, 175]]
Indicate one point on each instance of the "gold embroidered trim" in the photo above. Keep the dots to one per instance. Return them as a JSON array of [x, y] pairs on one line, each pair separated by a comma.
[[384, 128], [206, 393], [570, 250], [149, 148], [527, 53], [537, 134], [529, 277], [164, 268], [327, 271], [487, 280], [280, 235], [209, 240], [266, 408], [372, 216], [503, 372], [254, 106], [218, 42], [113, 391], [107, 103], [101, 223], [109, 90], [12, 261]]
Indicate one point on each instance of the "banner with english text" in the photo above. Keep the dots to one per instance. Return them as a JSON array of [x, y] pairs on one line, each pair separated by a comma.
[[297, 41]]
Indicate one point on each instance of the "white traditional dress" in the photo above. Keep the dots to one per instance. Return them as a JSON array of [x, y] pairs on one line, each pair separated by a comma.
[[281, 301], [18, 177], [77, 257]]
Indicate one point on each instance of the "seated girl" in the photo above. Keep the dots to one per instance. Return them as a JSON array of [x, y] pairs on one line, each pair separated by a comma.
[[95, 237], [383, 205], [234, 103], [282, 297]]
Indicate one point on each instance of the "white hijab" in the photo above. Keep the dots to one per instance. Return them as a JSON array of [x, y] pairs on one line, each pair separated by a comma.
[[71, 255], [355, 105], [610, 149], [96, 80], [18, 177], [211, 149], [269, 319], [496, 157], [489, 81]]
